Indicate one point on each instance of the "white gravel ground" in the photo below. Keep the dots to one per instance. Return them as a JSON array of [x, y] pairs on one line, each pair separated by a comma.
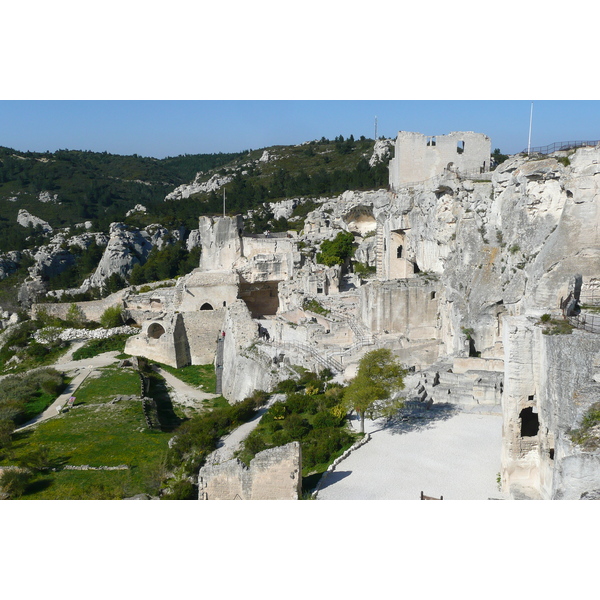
[[449, 453]]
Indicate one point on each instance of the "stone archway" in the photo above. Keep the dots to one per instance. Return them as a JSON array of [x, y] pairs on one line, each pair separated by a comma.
[[207, 306], [155, 331]]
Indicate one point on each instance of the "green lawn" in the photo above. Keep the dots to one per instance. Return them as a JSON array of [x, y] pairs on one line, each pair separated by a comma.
[[96, 433], [112, 382], [108, 435], [200, 376]]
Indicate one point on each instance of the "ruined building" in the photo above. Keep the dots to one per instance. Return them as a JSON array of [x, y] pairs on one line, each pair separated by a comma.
[[419, 157], [463, 264]]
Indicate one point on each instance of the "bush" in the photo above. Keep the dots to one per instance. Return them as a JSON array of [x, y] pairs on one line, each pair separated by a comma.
[[112, 317], [288, 386], [14, 482], [182, 489], [336, 251]]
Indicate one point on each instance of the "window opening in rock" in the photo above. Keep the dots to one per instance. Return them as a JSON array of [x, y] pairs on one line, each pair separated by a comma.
[[432, 296], [319, 290], [431, 141], [206, 306], [155, 331], [551, 453], [530, 422], [416, 268], [473, 352], [460, 147], [399, 252], [224, 303]]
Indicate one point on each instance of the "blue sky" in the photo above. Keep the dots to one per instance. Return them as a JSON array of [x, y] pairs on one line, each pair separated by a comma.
[[170, 127]]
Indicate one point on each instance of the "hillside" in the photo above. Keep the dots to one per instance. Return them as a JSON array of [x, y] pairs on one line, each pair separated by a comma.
[[69, 187]]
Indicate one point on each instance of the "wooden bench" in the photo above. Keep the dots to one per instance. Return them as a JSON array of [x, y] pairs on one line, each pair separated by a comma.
[[424, 497]]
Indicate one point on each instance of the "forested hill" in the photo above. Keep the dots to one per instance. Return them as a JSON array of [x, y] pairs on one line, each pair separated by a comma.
[[70, 186], [79, 185]]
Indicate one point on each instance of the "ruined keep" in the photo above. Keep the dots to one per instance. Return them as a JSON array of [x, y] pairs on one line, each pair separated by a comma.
[[420, 157]]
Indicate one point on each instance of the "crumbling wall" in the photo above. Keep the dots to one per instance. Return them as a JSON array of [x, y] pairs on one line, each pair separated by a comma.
[[552, 381], [408, 307], [221, 242], [419, 157], [91, 310], [163, 339], [244, 369], [203, 328], [274, 474]]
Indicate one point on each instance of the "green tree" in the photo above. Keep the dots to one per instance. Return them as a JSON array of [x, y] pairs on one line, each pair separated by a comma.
[[336, 251], [374, 389]]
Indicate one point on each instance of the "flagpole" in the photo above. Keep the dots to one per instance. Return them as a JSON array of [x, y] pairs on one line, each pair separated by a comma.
[[530, 120]]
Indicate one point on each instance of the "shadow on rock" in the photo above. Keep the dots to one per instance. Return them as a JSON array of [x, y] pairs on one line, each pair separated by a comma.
[[415, 417], [333, 477]]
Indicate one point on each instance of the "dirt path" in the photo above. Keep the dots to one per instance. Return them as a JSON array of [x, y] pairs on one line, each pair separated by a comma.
[[79, 370], [229, 444], [183, 393]]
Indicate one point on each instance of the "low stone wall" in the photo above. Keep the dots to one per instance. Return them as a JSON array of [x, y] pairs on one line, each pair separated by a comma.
[[273, 474], [68, 335], [92, 310]]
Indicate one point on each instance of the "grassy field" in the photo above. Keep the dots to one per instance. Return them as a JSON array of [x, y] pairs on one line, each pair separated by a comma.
[[199, 376], [109, 435], [95, 433], [112, 382]]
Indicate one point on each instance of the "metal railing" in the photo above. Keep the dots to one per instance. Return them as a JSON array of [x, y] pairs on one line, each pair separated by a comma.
[[586, 322], [558, 146]]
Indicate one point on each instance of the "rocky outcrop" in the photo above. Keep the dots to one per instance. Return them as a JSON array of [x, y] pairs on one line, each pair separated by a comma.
[[382, 151], [215, 183], [25, 219], [125, 248]]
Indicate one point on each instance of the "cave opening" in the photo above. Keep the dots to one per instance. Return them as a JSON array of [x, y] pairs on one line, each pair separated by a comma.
[[530, 423]]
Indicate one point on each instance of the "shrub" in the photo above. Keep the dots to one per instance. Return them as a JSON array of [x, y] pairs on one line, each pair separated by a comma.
[[112, 317], [14, 482], [336, 251], [286, 387], [325, 418]]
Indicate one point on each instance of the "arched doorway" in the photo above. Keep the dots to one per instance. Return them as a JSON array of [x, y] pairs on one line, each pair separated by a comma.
[[155, 331]]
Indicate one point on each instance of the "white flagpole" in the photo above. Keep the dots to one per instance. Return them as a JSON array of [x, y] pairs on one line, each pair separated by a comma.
[[530, 120], [223, 201]]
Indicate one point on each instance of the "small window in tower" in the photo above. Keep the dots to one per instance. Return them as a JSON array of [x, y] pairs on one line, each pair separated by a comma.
[[432, 296], [431, 141], [460, 147], [399, 252]]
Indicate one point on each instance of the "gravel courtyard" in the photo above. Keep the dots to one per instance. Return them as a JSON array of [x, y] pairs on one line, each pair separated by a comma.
[[443, 452]]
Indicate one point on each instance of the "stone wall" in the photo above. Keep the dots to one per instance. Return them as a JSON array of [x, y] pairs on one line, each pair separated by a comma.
[[91, 310], [551, 379], [274, 474], [221, 242], [418, 157], [163, 339], [202, 328], [244, 369], [408, 307]]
